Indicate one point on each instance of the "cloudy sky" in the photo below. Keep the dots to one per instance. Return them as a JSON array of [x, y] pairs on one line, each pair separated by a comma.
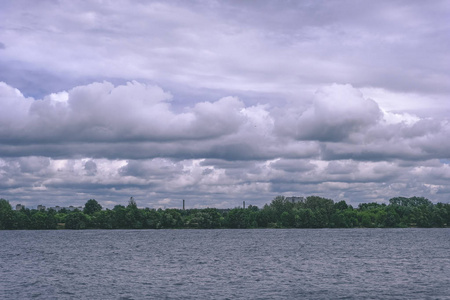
[[217, 102]]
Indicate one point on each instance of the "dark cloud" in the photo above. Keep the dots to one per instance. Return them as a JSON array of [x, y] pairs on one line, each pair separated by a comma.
[[90, 167], [33, 164], [292, 165], [157, 168], [227, 164], [348, 167]]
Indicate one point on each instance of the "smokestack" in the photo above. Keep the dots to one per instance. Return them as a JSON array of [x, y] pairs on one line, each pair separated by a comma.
[[183, 204], [243, 204]]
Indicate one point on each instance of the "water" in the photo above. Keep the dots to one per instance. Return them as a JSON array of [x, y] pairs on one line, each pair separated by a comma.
[[226, 264]]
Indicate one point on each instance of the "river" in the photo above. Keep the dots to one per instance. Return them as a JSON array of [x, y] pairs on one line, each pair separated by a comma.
[[407, 263]]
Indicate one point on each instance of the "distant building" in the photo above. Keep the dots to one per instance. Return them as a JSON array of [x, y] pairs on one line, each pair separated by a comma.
[[294, 199], [40, 207], [70, 208], [19, 206]]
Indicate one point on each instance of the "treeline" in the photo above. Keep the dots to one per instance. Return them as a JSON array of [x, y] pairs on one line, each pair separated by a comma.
[[312, 212]]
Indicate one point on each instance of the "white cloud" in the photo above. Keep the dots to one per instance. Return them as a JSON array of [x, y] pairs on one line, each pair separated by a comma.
[[337, 112], [14, 108], [395, 118]]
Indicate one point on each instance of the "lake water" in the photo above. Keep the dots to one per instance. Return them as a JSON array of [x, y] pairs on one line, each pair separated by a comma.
[[226, 264]]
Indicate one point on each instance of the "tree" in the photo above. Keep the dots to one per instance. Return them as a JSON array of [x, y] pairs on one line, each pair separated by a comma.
[[265, 216], [341, 205], [6, 215], [422, 216], [206, 218], [102, 219], [351, 218], [323, 209], [39, 220], [365, 218], [171, 218], [439, 215], [91, 207], [338, 220], [370, 206], [320, 218], [151, 218], [392, 218], [238, 218], [77, 220], [119, 217], [132, 203], [280, 204], [22, 220], [305, 218], [288, 219], [134, 217]]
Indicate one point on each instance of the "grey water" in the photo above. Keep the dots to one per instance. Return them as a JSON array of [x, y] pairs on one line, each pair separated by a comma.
[[226, 264]]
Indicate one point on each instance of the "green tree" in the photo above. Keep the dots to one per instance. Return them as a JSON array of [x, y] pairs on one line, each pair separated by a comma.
[[305, 218], [265, 216], [77, 220], [102, 219], [171, 218], [280, 205], [380, 217], [288, 219], [238, 218], [370, 206], [341, 205], [6, 215], [422, 216], [351, 218], [365, 219], [60, 217], [152, 219], [91, 207], [22, 220], [206, 218], [39, 220], [339, 220], [439, 216], [134, 217], [321, 218], [322, 209], [119, 217]]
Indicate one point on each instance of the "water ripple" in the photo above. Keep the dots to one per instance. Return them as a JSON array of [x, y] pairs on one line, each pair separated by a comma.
[[226, 264]]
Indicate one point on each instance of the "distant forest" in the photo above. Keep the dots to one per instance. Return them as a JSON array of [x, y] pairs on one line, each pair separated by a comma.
[[310, 212]]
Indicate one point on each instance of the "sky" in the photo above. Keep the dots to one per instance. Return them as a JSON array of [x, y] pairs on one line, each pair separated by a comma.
[[220, 102]]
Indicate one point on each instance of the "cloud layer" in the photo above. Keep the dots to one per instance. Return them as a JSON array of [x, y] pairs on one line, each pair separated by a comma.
[[110, 141], [220, 101]]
